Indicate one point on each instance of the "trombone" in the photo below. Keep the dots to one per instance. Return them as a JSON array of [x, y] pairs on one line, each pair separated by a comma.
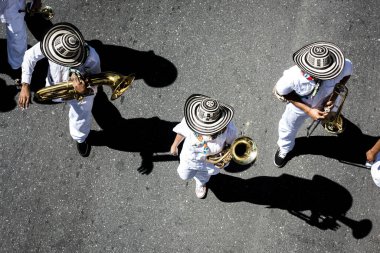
[[333, 124]]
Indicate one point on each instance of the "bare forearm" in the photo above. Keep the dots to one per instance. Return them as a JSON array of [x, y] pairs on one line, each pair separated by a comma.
[[178, 139], [376, 148], [296, 101]]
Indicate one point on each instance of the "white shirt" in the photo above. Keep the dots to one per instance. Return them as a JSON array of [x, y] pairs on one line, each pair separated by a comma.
[[9, 9], [375, 170], [197, 147], [294, 80], [56, 72]]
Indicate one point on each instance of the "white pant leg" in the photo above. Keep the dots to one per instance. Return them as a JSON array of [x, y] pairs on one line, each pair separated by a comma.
[[201, 177], [184, 172], [16, 41], [80, 118], [291, 121]]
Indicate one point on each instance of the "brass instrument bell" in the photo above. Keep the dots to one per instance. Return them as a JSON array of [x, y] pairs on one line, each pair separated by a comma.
[[46, 12]]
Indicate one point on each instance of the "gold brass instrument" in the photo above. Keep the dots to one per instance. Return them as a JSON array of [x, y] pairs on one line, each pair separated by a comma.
[[65, 90], [46, 12], [334, 122], [243, 151]]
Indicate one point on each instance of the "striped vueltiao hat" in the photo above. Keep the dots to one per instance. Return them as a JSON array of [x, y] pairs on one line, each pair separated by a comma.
[[322, 60], [64, 45], [205, 115]]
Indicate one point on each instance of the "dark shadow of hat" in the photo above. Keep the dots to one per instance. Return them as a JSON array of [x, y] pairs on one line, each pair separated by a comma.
[[206, 115], [322, 60], [64, 45]]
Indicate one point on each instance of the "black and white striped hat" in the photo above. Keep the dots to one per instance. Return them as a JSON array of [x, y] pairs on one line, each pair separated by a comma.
[[322, 60], [64, 45], [205, 115]]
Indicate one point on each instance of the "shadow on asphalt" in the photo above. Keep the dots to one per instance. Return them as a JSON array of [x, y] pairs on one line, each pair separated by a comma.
[[155, 70], [147, 136], [349, 147], [326, 201], [38, 26]]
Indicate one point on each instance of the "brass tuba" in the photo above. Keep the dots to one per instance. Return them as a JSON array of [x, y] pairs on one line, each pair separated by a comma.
[[243, 151], [334, 123], [46, 12], [65, 90]]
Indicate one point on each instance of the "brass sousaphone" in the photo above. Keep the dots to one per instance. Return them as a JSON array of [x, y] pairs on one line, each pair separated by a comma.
[[65, 90], [243, 151]]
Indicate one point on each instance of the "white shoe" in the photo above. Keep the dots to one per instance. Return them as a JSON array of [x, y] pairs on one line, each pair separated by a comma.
[[200, 191]]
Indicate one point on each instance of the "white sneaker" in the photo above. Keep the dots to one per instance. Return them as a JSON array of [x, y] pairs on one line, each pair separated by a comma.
[[200, 191]]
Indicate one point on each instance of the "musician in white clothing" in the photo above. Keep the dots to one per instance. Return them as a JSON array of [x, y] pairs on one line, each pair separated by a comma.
[[307, 86], [206, 128], [69, 58]]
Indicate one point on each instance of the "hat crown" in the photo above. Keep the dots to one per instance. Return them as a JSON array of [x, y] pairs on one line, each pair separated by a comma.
[[209, 110], [64, 45], [67, 45], [319, 57]]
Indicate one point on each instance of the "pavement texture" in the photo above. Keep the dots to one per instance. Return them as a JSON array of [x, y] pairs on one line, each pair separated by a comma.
[[127, 197]]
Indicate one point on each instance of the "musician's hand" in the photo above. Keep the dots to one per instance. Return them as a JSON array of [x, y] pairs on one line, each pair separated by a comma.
[[370, 155], [316, 114], [174, 150], [24, 97], [78, 84]]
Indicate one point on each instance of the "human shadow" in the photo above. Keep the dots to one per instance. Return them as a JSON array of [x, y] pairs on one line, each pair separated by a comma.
[[348, 147], [38, 26], [326, 201], [156, 71], [150, 137], [7, 94]]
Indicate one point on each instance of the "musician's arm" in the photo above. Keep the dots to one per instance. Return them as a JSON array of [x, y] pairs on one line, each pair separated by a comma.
[[174, 148], [31, 57], [371, 154], [313, 113]]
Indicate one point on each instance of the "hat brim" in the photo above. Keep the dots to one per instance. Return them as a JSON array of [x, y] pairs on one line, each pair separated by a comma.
[[47, 45], [201, 127], [330, 72]]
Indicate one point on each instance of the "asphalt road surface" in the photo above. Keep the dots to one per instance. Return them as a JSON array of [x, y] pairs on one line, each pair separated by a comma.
[[127, 197]]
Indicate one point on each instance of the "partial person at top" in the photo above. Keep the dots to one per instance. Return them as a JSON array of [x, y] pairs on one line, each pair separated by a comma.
[[15, 31]]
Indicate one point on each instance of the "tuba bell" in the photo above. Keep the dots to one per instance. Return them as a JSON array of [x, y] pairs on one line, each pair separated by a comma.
[[65, 90], [243, 151], [46, 12], [334, 123]]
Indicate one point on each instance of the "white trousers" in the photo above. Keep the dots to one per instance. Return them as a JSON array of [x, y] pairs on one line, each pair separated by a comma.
[[201, 176], [80, 118], [16, 41], [291, 121]]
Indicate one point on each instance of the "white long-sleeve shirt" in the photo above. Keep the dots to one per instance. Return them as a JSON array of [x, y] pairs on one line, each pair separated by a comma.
[[56, 72], [294, 80]]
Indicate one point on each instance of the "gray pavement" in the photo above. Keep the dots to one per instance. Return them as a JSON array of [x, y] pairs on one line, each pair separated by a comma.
[[53, 200]]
